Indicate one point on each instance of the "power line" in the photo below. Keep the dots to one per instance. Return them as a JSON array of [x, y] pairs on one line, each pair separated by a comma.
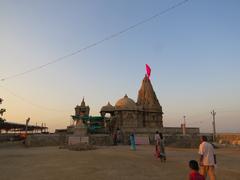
[[29, 102], [112, 36]]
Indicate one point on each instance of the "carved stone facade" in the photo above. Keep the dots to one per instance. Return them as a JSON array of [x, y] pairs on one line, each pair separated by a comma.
[[82, 110], [145, 113], [142, 117]]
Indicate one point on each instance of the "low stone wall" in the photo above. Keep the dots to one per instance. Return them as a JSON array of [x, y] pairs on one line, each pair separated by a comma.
[[228, 138], [174, 140], [164, 130], [6, 137], [101, 139], [178, 130], [173, 136], [59, 139], [45, 140], [182, 141]]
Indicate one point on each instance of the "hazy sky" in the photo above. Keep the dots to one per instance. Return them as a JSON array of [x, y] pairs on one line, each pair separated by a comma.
[[194, 53]]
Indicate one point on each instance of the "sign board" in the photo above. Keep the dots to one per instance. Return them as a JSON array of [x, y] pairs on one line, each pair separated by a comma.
[[142, 140], [72, 140], [84, 139]]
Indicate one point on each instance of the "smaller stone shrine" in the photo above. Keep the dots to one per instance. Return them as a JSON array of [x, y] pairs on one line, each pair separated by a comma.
[[81, 112], [82, 120]]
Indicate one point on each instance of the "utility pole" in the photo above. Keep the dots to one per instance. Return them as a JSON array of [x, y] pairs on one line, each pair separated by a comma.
[[214, 125], [45, 127], [36, 128], [1, 113], [27, 121], [184, 126], [42, 128]]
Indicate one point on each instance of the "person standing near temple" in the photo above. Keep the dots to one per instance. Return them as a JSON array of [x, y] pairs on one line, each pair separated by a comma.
[[157, 144], [132, 141], [162, 148], [207, 159], [119, 136]]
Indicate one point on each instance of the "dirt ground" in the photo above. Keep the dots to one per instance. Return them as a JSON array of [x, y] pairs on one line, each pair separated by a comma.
[[107, 163]]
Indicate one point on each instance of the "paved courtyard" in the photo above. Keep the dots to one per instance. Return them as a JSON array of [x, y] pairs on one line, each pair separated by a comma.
[[107, 163]]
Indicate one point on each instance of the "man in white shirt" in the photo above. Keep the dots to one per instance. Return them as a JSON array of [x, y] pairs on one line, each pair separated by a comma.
[[207, 159]]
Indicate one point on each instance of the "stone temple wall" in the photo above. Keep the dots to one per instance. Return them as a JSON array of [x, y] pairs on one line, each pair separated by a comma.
[[153, 119], [131, 119]]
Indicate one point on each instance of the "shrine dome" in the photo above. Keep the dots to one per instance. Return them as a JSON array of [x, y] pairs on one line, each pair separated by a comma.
[[125, 103], [107, 108]]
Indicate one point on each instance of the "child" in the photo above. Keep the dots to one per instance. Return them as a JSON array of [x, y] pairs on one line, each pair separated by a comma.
[[194, 174]]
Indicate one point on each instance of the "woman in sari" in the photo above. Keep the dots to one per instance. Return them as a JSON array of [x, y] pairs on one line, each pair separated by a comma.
[[159, 147], [157, 144], [132, 141], [162, 148]]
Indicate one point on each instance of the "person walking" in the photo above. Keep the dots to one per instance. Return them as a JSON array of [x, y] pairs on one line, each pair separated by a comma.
[[159, 146], [207, 159]]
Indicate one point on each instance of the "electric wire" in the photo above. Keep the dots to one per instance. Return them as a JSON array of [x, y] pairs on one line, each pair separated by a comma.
[[112, 36], [31, 103]]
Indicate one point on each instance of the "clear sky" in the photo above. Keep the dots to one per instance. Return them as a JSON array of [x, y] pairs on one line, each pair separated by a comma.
[[194, 53]]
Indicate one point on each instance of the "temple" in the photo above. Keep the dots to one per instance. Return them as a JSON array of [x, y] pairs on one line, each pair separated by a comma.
[[128, 114], [143, 117]]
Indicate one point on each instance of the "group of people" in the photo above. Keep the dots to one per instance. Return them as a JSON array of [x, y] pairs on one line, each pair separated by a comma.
[[207, 162], [159, 145], [207, 159]]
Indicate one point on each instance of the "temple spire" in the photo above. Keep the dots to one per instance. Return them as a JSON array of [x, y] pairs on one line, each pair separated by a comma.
[[83, 102], [147, 97]]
